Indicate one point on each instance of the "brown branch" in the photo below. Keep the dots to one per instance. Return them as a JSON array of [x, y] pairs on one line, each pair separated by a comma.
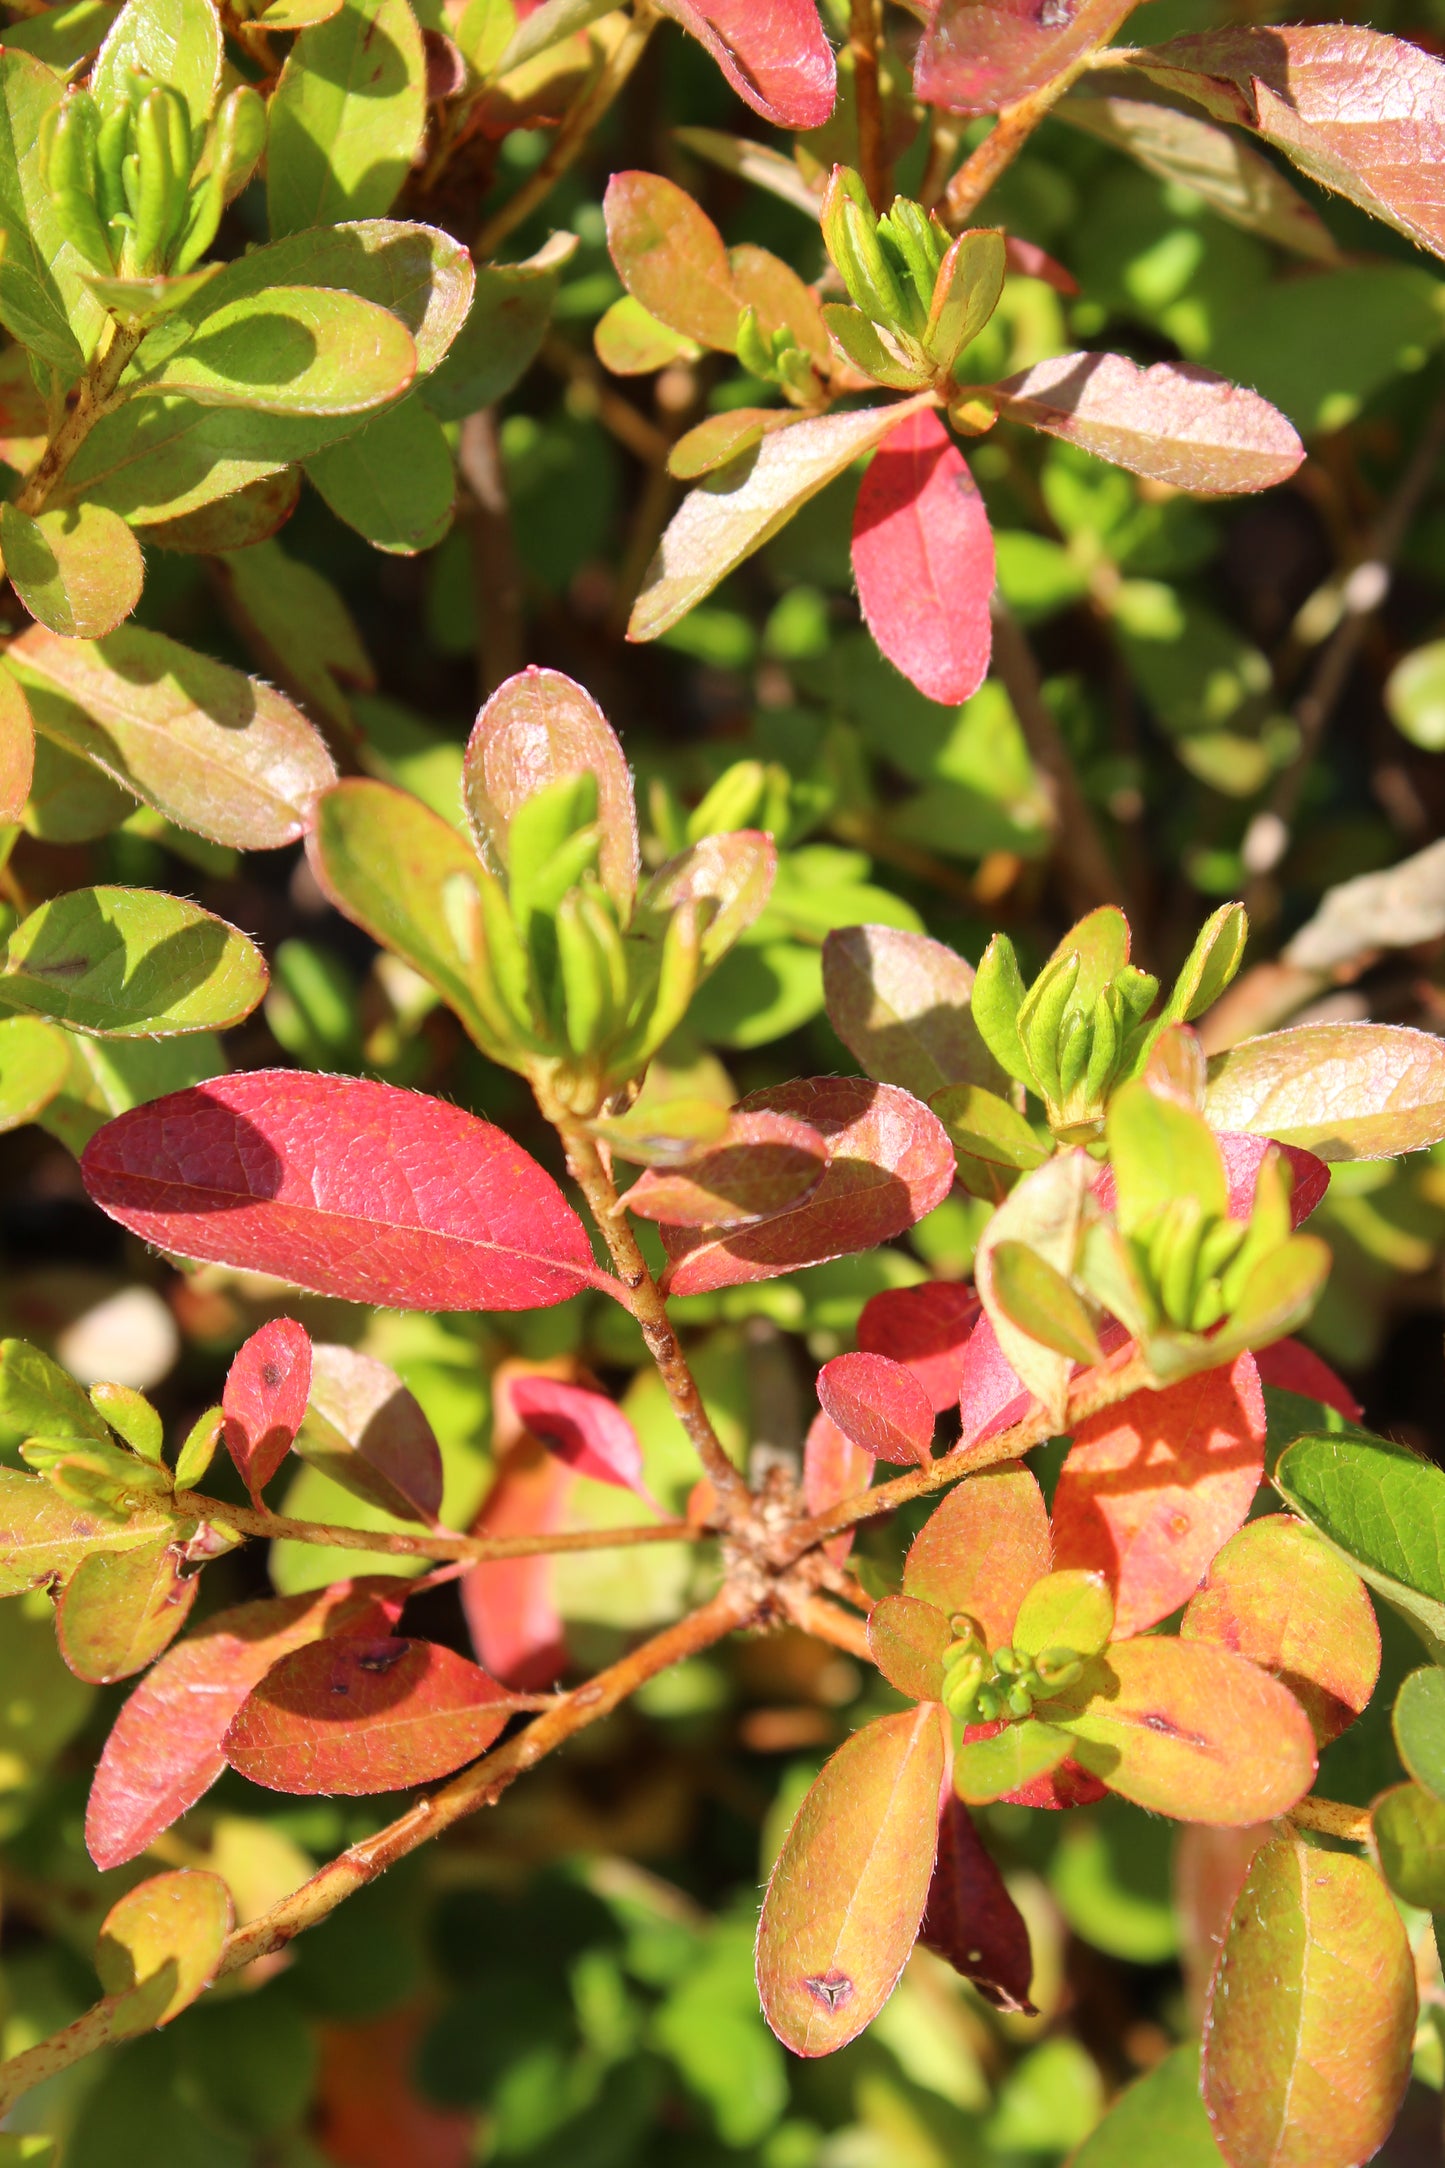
[[395, 1543], [1085, 871], [592, 392], [827, 1623], [570, 138], [93, 401], [1001, 146], [864, 37], [480, 1786]]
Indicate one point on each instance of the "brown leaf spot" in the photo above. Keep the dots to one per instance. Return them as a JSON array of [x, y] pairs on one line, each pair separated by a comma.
[[271, 1374], [1153, 1721], [382, 1658], [831, 1989]]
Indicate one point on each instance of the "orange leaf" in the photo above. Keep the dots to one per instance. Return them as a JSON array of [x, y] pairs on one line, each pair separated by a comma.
[[983, 1550]]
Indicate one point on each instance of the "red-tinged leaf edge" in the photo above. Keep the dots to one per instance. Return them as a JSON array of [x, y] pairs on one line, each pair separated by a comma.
[[923, 560], [834, 1468], [927, 1329], [773, 52], [1294, 1368], [264, 1400], [1069, 1785]]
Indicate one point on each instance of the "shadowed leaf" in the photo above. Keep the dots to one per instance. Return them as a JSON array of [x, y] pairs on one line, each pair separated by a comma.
[[764, 1164], [880, 1405], [294, 350], [900, 1004], [345, 1187], [1344, 1091], [847, 1894], [926, 1328], [971, 1918], [1418, 1723], [906, 1639], [131, 962], [982, 1551], [537, 728], [160, 1946], [923, 560], [500, 338], [120, 1609], [365, 1430], [833, 1468], [265, 1398], [1153, 1486], [357, 1716], [585, 1429], [1409, 1825], [978, 55], [78, 571], [1292, 1367], [347, 117], [1278, 1595], [1157, 2122], [998, 1766], [1311, 2015], [889, 1164]]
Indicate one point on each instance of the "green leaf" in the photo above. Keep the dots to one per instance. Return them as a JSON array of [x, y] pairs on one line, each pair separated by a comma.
[[294, 350], [34, 1061], [630, 341], [1311, 2013], [982, 1126], [970, 280], [848, 1891], [171, 41], [43, 302], [109, 1076], [160, 1946], [982, 1550], [214, 751], [39, 1399], [346, 117], [735, 513], [1409, 1825], [500, 338], [1071, 1609], [1039, 1302], [43, 1705], [120, 1609], [393, 481], [131, 962], [1189, 1731], [300, 625], [906, 1639], [1415, 696], [1344, 1091], [871, 351], [1384, 1508], [988, 1769], [145, 301], [1419, 1727], [78, 571], [65, 35], [1160, 1150], [1157, 2122], [44, 1537]]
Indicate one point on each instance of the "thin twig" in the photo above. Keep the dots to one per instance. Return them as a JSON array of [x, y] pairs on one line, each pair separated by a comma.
[[1360, 594], [826, 1622], [572, 135], [593, 394], [1334, 1820], [480, 1786], [864, 37], [1085, 872], [395, 1543], [1001, 146]]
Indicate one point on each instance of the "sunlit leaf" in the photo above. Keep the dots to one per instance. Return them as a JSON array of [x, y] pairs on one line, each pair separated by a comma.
[[847, 1895], [40, 269], [765, 1163], [585, 1429], [34, 1063], [981, 1551], [1384, 1508], [730, 876], [880, 1405], [160, 1946], [171, 41], [348, 1187], [44, 1537], [356, 1715], [509, 1605], [906, 1639], [923, 560], [1045, 1213], [1344, 1091], [671, 258], [1311, 2015], [78, 571], [292, 350], [121, 1608], [1153, 1486], [131, 962], [971, 1918], [1278, 1595], [773, 52], [978, 55], [1069, 1609], [900, 1003], [1015, 1756], [889, 1164]]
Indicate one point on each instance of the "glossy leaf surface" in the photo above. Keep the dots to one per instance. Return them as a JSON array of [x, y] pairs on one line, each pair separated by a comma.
[[160, 1946], [923, 560], [346, 1187], [880, 1405], [982, 1550], [586, 1429], [121, 1608], [294, 351], [1278, 1595], [131, 962], [1172, 422], [215, 751], [1153, 1486], [900, 1003], [347, 117], [164, 1750], [1344, 1091], [1287, 2085], [354, 1716], [671, 258], [44, 1537], [265, 1397], [366, 1431], [889, 1164], [1384, 1507], [847, 1895], [971, 1918], [926, 1328], [765, 1163]]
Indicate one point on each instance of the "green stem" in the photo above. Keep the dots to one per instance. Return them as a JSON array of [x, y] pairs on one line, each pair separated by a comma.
[[94, 400]]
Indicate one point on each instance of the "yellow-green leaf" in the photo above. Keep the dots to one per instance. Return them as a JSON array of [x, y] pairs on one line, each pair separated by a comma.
[[160, 1946], [132, 962], [78, 571]]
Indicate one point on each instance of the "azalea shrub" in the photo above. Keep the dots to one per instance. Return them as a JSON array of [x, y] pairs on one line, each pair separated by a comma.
[[723, 1089]]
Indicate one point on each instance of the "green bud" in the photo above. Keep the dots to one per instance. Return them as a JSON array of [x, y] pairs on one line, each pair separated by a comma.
[[961, 1684], [198, 1450], [158, 184], [1104, 1048], [1005, 1661], [995, 1003], [667, 1004], [111, 148], [131, 1416], [1041, 1020], [72, 172], [504, 969], [1020, 1700], [1075, 1047], [587, 1004], [990, 1704], [545, 821], [754, 350], [866, 272], [237, 139], [916, 246]]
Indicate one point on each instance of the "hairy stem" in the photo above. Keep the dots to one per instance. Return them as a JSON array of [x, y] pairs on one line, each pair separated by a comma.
[[480, 1786], [1001, 146], [571, 136], [1333, 1819], [864, 37], [94, 399], [825, 1621], [394, 1543]]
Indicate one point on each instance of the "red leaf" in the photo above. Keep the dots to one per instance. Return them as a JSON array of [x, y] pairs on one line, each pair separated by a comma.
[[265, 1396], [992, 1396], [923, 560], [358, 1716], [880, 1406], [164, 1750], [773, 52], [978, 55], [1032, 262], [1295, 1368], [371, 2114], [343, 1187], [1242, 1155], [513, 1622], [765, 1164], [890, 1162], [927, 1328], [1152, 1487], [833, 1468], [971, 1919], [583, 1428]]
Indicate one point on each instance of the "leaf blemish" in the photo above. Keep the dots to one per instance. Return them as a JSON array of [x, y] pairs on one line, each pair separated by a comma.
[[382, 1659], [831, 1989]]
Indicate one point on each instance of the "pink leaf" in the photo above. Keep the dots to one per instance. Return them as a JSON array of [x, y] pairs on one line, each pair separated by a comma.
[[1295, 1368], [369, 1433], [265, 1398], [923, 560], [927, 1328], [992, 1396], [164, 1750], [764, 1164], [833, 1468], [890, 1162], [1152, 1487], [1172, 422], [773, 52], [508, 1603], [1032, 262], [978, 55], [583, 1428], [344, 1187], [971, 1919], [879, 1405]]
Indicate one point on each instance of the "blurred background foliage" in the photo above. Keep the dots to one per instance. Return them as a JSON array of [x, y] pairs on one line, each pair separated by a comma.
[[568, 1978]]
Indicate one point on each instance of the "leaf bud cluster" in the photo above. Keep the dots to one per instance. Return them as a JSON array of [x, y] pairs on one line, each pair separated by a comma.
[[919, 298]]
